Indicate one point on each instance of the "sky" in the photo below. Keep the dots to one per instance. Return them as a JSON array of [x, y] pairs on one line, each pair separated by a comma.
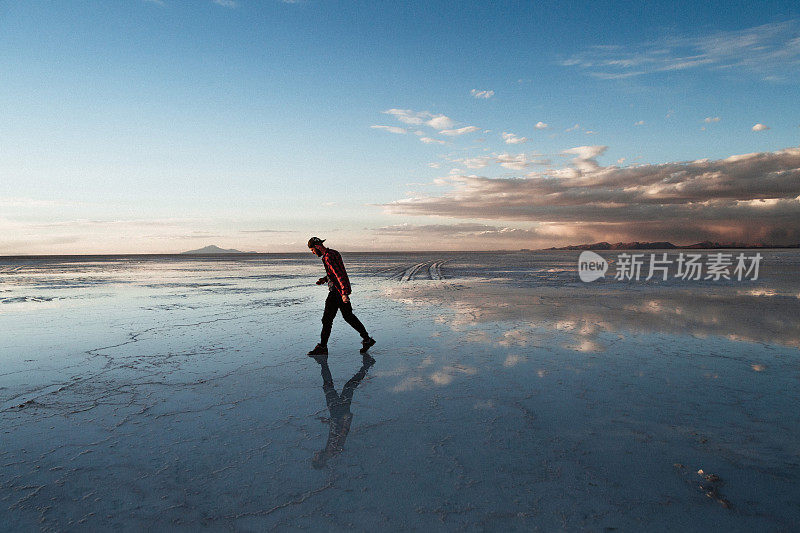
[[158, 126]]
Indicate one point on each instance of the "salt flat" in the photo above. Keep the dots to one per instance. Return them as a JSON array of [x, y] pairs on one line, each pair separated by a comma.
[[174, 393]]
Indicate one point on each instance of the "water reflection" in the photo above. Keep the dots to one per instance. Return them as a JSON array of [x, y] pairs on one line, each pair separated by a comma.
[[586, 315], [339, 409]]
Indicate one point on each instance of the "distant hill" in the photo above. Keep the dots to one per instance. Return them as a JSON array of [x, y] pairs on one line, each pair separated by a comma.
[[705, 245], [212, 249], [620, 246]]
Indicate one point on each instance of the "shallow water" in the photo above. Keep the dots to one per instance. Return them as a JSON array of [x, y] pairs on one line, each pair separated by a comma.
[[174, 392]]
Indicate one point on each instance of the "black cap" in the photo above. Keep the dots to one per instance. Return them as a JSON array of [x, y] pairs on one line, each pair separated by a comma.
[[313, 241]]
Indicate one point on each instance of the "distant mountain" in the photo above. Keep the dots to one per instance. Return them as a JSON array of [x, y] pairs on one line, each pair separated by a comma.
[[212, 249], [620, 246], [705, 245]]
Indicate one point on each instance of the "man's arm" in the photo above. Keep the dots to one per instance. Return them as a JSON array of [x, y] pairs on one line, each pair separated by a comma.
[[320, 281]]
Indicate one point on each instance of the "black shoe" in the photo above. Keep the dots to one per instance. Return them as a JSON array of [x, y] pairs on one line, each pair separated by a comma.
[[319, 350], [366, 343]]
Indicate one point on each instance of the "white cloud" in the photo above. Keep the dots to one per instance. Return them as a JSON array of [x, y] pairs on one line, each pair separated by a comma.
[[407, 116], [28, 202], [435, 165], [476, 162], [760, 127], [585, 157], [440, 122], [573, 128], [270, 230], [639, 123], [481, 94], [514, 162], [460, 131], [511, 138], [541, 126], [709, 120], [225, 3], [770, 51], [460, 231], [429, 140], [391, 129]]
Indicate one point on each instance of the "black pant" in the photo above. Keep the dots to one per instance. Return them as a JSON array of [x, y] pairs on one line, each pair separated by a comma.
[[332, 305]]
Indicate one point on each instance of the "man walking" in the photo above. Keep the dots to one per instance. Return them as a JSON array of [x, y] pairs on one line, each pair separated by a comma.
[[338, 297]]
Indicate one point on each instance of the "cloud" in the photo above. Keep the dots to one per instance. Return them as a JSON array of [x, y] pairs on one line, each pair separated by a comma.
[[440, 122], [770, 51], [573, 128], [391, 129], [460, 131], [505, 160], [760, 127], [639, 123], [84, 223], [267, 231], [407, 116], [585, 157], [477, 162], [514, 162], [481, 94], [414, 118], [541, 126], [225, 3], [29, 202], [191, 236], [511, 138], [429, 140], [433, 229], [750, 197], [456, 231], [709, 120]]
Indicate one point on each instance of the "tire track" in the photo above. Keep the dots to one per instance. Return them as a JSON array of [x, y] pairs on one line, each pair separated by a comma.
[[428, 270]]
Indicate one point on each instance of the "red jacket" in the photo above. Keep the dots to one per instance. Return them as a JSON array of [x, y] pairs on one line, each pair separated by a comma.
[[337, 275]]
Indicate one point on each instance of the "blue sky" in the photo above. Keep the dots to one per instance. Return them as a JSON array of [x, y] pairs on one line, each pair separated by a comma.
[[159, 126]]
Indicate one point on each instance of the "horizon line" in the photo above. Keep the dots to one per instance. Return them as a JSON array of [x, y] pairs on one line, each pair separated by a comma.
[[574, 248]]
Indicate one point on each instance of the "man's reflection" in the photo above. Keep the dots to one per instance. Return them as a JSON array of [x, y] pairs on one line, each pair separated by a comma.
[[339, 408]]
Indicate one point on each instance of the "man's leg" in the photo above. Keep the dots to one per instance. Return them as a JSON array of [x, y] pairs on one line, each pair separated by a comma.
[[350, 318], [331, 306]]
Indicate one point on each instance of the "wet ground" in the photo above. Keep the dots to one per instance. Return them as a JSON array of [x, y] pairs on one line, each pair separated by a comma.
[[174, 393]]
